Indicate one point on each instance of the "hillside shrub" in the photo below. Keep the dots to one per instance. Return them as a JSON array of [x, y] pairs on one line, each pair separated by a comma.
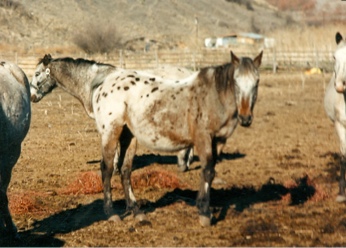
[[98, 38]]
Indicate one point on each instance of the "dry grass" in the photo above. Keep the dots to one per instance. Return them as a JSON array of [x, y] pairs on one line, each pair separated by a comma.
[[302, 37], [26, 202]]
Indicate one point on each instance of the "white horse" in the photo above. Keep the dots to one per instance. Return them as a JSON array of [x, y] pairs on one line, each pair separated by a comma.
[[15, 115], [335, 106]]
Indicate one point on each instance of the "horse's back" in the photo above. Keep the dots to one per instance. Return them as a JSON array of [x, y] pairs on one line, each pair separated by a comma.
[[171, 72], [15, 109], [147, 103]]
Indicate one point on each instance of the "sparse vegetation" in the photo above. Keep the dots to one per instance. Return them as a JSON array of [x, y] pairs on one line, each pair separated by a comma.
[[10, 4], [293, 5], [98, 38]]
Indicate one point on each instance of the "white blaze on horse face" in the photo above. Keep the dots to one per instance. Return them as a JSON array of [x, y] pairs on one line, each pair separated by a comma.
[[246, 95], [340, 69]]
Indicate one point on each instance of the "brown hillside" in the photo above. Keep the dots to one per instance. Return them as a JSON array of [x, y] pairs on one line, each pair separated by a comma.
[[25, 25]]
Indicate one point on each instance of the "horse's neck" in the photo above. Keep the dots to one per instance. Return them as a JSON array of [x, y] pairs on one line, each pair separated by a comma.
[[78, 84]]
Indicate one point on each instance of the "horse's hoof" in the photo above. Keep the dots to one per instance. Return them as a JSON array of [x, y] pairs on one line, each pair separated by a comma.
[[115, 218], [204, 221], [140, 217], [340, 198]]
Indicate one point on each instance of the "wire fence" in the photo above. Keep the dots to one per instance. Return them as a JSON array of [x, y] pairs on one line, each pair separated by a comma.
[[192, 59]]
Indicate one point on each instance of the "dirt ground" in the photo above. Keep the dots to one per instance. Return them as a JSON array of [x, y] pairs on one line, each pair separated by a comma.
[[275, 185]]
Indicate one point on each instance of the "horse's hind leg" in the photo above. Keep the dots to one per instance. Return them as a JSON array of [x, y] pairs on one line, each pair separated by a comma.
[[185, 158], [7, 161], [109, 146], [342, 197], [128, 145]]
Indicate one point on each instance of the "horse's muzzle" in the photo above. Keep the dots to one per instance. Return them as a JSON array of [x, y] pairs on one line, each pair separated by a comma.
[[340, 87], [245, 121]]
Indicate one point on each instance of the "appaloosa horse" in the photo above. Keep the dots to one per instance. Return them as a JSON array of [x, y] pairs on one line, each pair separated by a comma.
[[15, 115], [165, 115], [335, 106]]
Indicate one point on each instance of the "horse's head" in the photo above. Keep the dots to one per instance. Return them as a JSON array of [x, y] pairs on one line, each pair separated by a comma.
[[42, 83], [246, 79], [340, 64]]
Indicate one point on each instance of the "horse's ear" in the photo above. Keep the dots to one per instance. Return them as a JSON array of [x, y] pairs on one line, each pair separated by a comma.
[[338, 38], [258, 60], [234, 59], [46, 59]]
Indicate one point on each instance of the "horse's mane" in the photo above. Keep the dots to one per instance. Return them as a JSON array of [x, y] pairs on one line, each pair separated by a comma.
[[223, 74], [246, 65], [78, 61], [220, 75]]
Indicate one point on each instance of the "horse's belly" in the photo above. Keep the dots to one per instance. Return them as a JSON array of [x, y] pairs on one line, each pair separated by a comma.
[[161, 139], [163, 144]]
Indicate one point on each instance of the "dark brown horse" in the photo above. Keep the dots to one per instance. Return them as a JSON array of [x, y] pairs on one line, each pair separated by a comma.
[[199, 111]]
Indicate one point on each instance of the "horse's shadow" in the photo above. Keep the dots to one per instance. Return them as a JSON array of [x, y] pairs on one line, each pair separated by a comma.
[[43, 231], [30, 239], [144, 160], [241, 198]]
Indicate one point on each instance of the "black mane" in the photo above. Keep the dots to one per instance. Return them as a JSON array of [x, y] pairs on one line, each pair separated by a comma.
[[78, 61]]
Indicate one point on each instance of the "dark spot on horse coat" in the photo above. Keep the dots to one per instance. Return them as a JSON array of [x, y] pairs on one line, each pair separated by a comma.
[[152, 79], [104, 94], [147, 95], [98, 98], [137, 79], [146, 82], [130, 76], [103, 126], [110, 113], [177, 82], [118, 88], [154, 89], [126, 88], [133, 83], [117, 78]]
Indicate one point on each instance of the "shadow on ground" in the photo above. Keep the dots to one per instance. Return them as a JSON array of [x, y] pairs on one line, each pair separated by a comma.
[[43, 231]]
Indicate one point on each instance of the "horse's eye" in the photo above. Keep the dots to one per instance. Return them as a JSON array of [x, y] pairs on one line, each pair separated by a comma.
[[37, 74]]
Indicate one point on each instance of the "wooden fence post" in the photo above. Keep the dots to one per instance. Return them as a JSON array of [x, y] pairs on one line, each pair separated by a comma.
[[121, 65], [274, 60], [157, 57]]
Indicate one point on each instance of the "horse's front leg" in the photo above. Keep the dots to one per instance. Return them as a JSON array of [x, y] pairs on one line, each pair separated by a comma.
[[206, 150], [341, 131]]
